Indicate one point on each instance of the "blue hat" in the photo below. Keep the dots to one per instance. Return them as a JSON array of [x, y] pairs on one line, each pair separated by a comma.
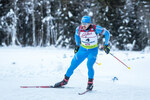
[[86, 19]]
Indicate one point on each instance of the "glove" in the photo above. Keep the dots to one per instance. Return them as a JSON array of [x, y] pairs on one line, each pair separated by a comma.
[[76, 49], [107, 49]]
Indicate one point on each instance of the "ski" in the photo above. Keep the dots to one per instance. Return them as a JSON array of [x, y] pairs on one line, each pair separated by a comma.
[[84, 92], [40, 87], [37, 87]]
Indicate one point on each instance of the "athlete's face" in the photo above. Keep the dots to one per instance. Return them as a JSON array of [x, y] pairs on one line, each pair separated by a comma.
[[85, 25]]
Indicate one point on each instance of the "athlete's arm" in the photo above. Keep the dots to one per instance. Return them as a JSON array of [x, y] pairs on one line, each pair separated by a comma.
[[77, 37], [103, 31]]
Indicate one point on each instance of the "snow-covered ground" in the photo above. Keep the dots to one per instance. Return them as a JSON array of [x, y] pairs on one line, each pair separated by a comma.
[[46, 66]]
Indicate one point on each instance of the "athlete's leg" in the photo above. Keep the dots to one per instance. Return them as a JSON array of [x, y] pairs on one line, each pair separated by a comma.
[[91, 60], [78, 58]]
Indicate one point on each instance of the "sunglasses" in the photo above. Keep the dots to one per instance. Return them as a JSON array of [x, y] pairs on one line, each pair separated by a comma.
[[84, 24]]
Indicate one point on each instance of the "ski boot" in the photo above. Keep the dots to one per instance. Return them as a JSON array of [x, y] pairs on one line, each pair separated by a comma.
[[90, 84], [63, 82]]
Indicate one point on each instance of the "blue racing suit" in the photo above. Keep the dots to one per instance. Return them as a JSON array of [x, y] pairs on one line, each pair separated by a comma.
[[86, 52]]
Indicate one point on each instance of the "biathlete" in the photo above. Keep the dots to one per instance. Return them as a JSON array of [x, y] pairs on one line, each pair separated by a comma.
[[86, 37]]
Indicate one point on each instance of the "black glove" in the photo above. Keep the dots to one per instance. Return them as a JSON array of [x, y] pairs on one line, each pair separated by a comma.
[[107, 49], [76, 49]]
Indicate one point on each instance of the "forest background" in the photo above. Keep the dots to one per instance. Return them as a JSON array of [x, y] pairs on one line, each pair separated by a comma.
[[53, 22]]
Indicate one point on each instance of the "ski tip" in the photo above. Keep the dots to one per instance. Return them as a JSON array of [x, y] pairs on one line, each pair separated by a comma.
[[129, 68], [23, 86], [83, 92], [79, 94]]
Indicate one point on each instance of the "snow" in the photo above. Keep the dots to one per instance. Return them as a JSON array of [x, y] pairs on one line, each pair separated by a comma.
[[46, 66], [90, 13], [70, 14], [107, 8], [48, 18]]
